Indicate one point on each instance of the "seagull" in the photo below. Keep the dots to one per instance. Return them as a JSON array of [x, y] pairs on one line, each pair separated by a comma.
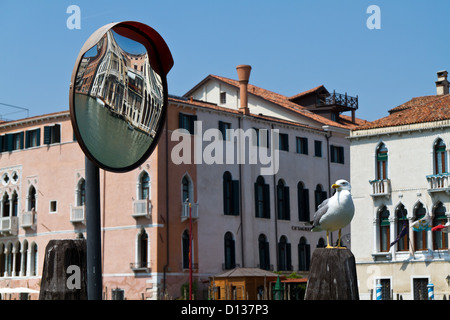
[[336, 212]]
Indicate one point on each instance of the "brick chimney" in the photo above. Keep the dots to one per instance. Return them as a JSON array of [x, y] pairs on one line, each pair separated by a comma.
[[243, 75], [442, 83]]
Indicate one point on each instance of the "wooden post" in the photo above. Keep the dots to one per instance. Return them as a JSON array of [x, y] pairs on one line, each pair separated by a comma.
[[64, 274], [332, 275]]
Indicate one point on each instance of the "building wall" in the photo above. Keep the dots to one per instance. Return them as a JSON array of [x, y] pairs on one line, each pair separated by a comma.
[[410, 161]]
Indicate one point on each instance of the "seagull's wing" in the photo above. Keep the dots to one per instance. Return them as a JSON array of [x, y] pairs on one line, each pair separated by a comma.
[[321, 210]]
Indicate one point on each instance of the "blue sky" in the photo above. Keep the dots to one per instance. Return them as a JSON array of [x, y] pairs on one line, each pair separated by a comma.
[[292, 46]]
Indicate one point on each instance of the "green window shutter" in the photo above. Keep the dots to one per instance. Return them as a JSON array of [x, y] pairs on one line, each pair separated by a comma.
[[287, 205], [57, 133], [235, 197], [38, 137], [9, 142], [266, 199], [47, 135]]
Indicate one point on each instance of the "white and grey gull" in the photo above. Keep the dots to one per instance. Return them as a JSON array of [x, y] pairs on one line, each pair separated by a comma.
[[335, 212]]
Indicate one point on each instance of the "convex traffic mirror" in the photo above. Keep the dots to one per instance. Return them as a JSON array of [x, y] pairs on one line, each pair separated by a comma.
[[118, 94]]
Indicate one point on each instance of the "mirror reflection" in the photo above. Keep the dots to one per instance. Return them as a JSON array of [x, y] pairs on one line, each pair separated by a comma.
[[118, 100]]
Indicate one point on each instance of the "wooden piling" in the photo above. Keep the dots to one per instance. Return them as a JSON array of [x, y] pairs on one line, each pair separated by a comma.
[[64, 274], [332, 275]]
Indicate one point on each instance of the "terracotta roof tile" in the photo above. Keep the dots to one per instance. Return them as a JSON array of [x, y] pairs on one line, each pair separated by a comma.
[[282, 101], [417, 110]]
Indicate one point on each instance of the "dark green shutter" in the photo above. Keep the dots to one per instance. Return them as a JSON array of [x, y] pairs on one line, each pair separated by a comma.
[[9, 142], [57, 133], [47, 135], [38, 137], [288, 256], [305, 204], [287, 205], [266, 199], [235, 197], [257, 214]]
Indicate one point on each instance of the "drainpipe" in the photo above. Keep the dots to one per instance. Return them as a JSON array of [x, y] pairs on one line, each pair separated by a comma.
[[328, 136], [275, 196], [240, 205]]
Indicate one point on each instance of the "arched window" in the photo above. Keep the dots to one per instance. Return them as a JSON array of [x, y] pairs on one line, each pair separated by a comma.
[[142, 249], [382, 162], [321, 243], [9, 259], [319, 195], [2, 259], [15, 204], [402, 222], [440, 157], [17, 258], [34, 260], [24, 258], [440, 239], [144, 186], [303, 202], [5, 205], [31, 198], [304, 255], [264, 257], [283, 201], [420, 237], [230, 256], [262, 198], [284, 255], [185, 244], [384, 229], [187, 194], [81, 193]]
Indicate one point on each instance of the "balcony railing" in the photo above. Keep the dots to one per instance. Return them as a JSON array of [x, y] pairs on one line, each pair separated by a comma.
[[142, 208], [380, 188], [338, 99], [9, 225], [439, 182], [185, 211], [27, 219], [77, 214]]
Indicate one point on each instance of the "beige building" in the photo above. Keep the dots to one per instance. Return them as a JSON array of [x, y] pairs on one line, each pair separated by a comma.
[[399, 175], [242, 215]]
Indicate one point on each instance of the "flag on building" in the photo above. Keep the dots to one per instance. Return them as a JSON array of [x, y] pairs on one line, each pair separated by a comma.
[[422, 224], [401, 234]]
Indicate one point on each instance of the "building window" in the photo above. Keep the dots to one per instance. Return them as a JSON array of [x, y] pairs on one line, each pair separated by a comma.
[[284, 142], [52, 134], [440, 157], [303, 202], [187, 121], [223, 127], [142, 249], [33, 138], [384, 229], [284, 255], [302, 145], [304, 255], [319, 196], [144, 186], [420, 237], [34, 260], [53, 206], [6, 205], [337, 154], [402, 223], [230, 195], [223, 97], [262, 198], [230, 258], [440, 239], [382, 162], [11, 141], [81, 193], [187, 192], [283, 202], [186, 247], [31, 199], [264, 256], [317, 148], [420, 289], [262, 137]]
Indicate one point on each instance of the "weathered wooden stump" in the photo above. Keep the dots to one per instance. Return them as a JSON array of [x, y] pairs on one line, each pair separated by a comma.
[[64, 274], [332, 275]]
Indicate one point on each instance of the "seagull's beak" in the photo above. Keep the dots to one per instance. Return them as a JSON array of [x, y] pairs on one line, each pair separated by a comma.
[[335, 186]]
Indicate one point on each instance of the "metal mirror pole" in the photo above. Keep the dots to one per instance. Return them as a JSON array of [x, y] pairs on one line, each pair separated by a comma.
[[93, 231]]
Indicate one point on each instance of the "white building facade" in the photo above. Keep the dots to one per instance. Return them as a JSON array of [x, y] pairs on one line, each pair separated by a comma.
[[399, 175]]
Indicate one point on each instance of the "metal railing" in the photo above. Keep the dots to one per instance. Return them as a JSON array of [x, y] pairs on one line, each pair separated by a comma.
[[338, 99], [380, 187]]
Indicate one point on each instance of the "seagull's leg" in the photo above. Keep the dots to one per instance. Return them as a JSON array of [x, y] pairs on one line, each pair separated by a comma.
[[339, 241], [328, 241]]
